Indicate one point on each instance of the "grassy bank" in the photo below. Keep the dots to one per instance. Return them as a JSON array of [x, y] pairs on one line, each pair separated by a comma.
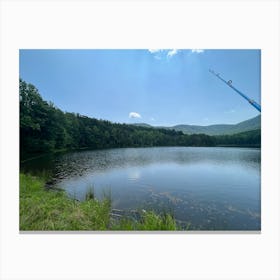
[[42, 209]]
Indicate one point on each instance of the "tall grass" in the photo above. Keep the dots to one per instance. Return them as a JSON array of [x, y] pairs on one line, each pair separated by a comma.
[[148, 221], [42, 209], [90, 194]]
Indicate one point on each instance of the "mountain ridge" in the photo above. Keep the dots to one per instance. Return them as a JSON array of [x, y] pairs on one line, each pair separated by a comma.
[[215, 129]]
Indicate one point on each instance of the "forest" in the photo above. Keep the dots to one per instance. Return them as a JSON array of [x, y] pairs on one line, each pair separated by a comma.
[[45, 128]]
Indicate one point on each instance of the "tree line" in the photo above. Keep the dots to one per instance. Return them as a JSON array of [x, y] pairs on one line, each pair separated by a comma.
[[45, 128], [249, 138]]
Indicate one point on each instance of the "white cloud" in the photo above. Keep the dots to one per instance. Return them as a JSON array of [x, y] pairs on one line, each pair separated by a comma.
[[163, 53], [157, 53], [152, 119], [134, 115], [172, 52], [197, 51], [154, 50]]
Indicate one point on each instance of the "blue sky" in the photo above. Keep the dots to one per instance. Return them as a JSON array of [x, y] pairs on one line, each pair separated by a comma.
[[159, 87]]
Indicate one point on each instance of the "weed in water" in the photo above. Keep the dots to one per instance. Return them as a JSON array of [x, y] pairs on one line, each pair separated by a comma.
[[90, 193]]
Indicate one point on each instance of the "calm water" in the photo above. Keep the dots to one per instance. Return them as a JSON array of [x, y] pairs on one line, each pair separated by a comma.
[[211, 188]]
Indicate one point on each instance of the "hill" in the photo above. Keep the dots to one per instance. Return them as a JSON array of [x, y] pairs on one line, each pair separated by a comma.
[[218, 129], [142, 125]]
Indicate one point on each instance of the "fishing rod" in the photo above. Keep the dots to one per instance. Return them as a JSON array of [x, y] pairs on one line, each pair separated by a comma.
[[229, 83]]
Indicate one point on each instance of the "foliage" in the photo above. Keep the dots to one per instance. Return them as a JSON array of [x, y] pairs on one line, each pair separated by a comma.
[[248, 138]]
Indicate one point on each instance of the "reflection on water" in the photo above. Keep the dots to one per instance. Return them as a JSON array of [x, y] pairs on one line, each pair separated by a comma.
[[212, 188]]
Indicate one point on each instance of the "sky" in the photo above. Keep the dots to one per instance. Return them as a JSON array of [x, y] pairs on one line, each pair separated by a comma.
[[156, 86]]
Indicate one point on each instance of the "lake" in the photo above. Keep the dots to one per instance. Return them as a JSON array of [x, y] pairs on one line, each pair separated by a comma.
[[205, 188]]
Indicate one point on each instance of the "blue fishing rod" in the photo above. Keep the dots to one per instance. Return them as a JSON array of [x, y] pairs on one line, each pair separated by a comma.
[[229, 83]]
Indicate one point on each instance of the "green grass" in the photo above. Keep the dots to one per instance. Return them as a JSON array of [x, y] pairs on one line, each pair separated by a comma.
[[42, 209], [148, 221]]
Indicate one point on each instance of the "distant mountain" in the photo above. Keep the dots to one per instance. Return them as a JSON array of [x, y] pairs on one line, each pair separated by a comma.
[[142, 124], [217, 129]]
